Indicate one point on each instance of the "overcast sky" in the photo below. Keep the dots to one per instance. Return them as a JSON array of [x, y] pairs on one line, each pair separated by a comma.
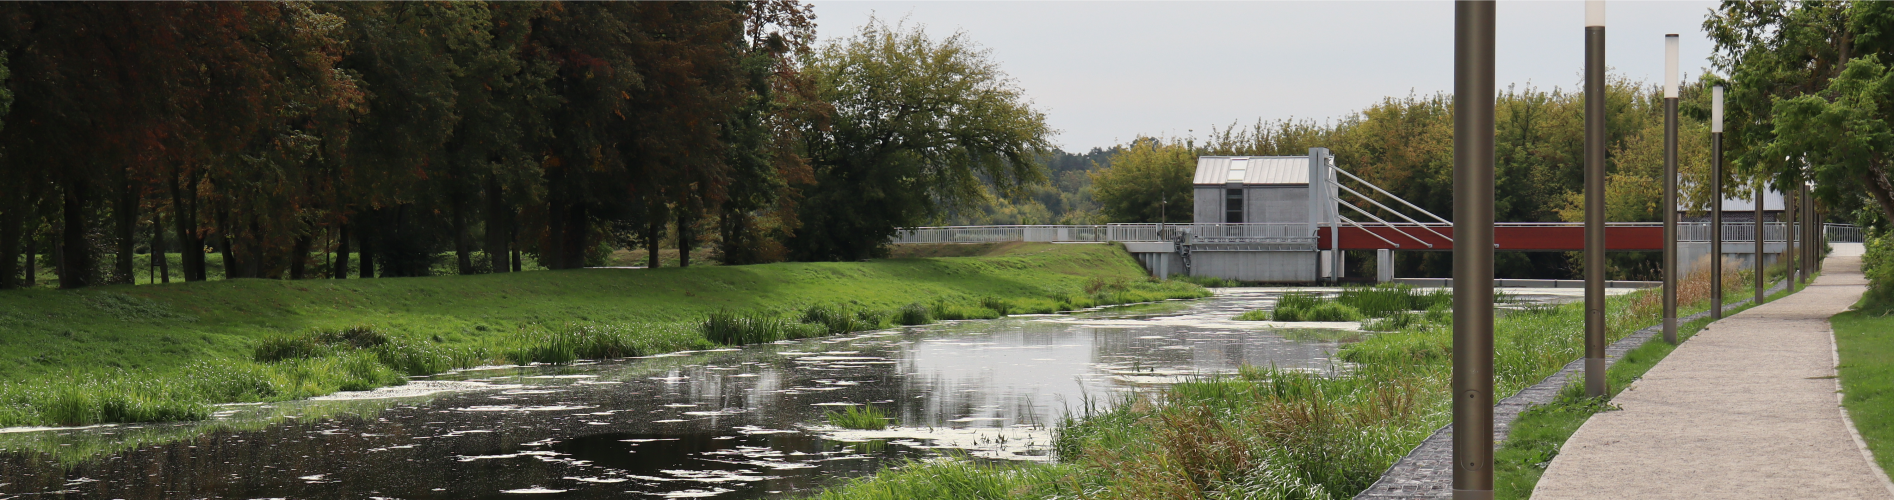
[[1107, 72]]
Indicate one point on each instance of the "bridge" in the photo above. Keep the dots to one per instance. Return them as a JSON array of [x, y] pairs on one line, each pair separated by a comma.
[[1163, 247], [1288, 219]]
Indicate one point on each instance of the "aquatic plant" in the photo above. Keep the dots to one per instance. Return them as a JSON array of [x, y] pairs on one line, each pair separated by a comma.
[[1207, 281], [836, 320], [729, 328], [1385, 299], [1254, 315], [862, 417], [1296, 306], [912, 314], [997, 305]]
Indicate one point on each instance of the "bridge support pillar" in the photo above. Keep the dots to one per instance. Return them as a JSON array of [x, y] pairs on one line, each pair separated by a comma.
[[1384, 265]]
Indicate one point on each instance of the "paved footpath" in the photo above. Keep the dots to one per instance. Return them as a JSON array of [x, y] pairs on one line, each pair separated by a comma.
[[1748, 408]]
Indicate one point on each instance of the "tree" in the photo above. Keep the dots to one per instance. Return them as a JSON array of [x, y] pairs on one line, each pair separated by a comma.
[[1809, 99], [918, 126], [1146, 179]]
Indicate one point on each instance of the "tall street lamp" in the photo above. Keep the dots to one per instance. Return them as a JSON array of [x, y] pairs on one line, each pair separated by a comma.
[[1716, 202], [1595, 198], [1473, 250], [1670, 189]]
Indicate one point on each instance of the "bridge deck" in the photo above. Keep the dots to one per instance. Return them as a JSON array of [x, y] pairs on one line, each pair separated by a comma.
[[1510, 237]]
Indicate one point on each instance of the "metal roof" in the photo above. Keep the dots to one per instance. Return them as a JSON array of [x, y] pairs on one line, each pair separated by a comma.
[[1280, 170]]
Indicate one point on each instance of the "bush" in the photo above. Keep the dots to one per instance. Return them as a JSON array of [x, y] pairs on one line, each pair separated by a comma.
[[1878, 265]]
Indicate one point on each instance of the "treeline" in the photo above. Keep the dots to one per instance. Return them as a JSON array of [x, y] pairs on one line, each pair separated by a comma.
[[289, 136], [1405, 145]]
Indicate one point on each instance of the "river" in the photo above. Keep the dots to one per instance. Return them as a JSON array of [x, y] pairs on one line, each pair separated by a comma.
[[730, 423]]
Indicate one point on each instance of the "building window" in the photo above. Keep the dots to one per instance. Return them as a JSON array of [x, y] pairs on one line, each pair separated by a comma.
[[1233, 206]]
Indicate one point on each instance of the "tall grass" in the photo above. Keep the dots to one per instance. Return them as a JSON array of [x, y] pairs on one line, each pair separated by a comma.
[[730, 328], [912, 314], [859, 417]]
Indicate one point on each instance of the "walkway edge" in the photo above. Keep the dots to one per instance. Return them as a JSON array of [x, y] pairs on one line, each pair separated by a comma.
[[1427, 471], [1834, 348]]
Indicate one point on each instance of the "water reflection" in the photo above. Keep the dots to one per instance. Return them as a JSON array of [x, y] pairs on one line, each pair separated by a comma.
[[733, 423]]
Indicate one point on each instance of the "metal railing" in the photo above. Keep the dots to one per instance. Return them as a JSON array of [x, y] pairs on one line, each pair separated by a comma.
[[1732, 231], [994, 234], [1843, 233], [1294, 232], [1204, 233]]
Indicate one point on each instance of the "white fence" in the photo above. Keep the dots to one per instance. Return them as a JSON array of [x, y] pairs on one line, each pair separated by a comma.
[[1279, 233], [1843, 233], [1208, 233]]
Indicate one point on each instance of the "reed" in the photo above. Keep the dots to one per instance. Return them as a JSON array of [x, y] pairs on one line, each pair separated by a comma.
[[859, 417], [912, 314]]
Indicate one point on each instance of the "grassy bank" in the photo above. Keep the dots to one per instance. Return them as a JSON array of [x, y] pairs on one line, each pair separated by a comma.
[[149, 353], [1864, 337], [1266, 433]]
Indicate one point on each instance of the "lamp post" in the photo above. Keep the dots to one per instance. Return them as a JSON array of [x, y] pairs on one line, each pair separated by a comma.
[[1473, 250], [1595, 199], [1759, 278], [1716, 202], [1670, 188]]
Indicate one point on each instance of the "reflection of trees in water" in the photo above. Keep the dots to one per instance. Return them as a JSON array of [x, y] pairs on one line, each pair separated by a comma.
[[409, 451]]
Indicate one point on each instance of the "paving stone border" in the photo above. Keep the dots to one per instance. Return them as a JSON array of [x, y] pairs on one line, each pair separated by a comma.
[[1427, 472]]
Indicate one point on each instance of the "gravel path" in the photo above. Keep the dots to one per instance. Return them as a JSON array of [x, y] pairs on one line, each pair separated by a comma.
[[1745, 409]]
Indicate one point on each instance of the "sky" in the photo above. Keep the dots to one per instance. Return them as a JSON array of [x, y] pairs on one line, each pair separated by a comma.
[[1107, 72]]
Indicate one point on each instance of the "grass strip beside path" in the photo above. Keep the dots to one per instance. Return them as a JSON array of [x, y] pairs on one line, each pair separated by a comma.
[[1864, 338], [1538, 434], [167, 352]]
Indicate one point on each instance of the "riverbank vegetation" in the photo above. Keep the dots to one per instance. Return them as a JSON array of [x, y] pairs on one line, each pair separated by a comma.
[[1274, 433], [148, 353]]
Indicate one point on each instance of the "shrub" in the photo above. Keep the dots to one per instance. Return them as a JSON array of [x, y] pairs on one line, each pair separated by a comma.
[[1878, 265]]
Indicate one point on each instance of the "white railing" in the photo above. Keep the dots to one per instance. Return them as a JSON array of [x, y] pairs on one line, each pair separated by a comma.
[[1207, 233], [1843, 233], [1732, 231], [993, 234]]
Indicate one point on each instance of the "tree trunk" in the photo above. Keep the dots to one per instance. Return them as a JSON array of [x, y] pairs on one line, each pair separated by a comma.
[[126, 214], [366, 239], [577, 228], [184, 218], [1877, 183], [653, 230], [685, 236], [31, 278], [519, 260], [79, 269], [233, 267], [158, 250], [299, 256], [496, 227], [463, 243], [10, 221], [341, 269], [550, 254]]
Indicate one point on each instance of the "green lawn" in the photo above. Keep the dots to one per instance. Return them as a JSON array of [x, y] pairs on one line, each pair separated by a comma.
[[165, 352], [1865, 339]]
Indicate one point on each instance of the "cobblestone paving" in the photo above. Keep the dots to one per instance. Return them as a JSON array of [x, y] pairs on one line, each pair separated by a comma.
[[1427, 472]]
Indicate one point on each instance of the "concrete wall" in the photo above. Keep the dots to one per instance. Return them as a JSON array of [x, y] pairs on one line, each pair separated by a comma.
[[1276, 204], [1272, 267], [1209, 204]]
